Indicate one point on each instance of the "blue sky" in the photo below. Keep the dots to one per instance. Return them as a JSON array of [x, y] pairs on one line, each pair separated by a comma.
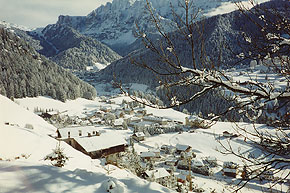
[[39, 13]]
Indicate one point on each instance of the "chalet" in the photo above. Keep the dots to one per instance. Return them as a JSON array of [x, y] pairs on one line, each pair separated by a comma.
[[230, 165], [141, 125], [49, 115], [171, 162], [99, 114], [119, 114], [168, 149], [159, 175], [183, 164], [156, 152], [230, 172], [229, 135], [155, 119], [74, 132], [147, 155], [118, 123], [211, 161], [100, 146], [230, 169], [106, 109], [134, 120], [182, 148], [196, 122], [139, 136], [129, 111], [142, 111], [197, 163]]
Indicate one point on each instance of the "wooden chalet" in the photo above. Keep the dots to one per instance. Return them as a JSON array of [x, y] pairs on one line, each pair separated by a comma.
[[182, 148], [139, 136], [100, 146], [159, 175]]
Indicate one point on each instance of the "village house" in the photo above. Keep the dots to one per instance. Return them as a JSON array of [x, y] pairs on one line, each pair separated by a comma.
[[101, 146], [151, 154], [142, 111], [197, 163], [133, 119], [49, 115], [229, 135], [159, 175], [89, 141], [196, 122], [139, 136], [119, 114], [182, 148], [74, 132], [106, 109], [99, 114], [118, 124], [230, 169], [155, 119], [168, 149], [211, 161], [230, 172], [147, 155], [171, 162], [129, 111], [141, 126]]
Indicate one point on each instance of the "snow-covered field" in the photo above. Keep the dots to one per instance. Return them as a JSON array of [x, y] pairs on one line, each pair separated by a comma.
[[22, 152]]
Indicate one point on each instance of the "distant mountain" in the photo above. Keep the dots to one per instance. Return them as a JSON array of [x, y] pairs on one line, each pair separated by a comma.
[[72, 50], [114, 23], [24, 72], [222, 39]]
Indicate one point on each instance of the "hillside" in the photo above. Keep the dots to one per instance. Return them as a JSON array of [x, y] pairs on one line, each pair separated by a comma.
[[24, 72], [89, 174], [70, 49], [22, 164]]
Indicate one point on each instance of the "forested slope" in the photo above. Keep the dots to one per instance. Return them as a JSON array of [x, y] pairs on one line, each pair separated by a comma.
[[24, 72]]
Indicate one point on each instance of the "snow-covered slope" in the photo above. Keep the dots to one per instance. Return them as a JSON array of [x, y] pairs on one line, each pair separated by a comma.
[[70, 49], [23, 168]]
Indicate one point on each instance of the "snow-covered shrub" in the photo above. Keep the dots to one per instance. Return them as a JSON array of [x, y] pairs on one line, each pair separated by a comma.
[[57, 157], [112, 186]]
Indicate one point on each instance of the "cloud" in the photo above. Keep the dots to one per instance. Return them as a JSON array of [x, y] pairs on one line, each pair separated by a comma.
[[39, 13]]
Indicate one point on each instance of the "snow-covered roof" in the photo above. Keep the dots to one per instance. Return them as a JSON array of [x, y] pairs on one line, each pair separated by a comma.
[[142, 124], [74, 131], [139, 134], [181, 147], [104, 141], [194, 118], [197, 163], [211, 158], [157, 173], [118, 122], [228, 170], [147, 154], [154, 118]]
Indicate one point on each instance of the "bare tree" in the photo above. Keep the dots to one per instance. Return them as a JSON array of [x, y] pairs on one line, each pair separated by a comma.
[[268, 45]]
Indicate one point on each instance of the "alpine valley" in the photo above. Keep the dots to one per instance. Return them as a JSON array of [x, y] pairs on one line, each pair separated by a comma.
[[68, 126]]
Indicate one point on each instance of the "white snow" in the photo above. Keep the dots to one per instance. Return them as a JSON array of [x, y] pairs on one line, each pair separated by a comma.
[[25, 148], [23, 169], [104, 141]]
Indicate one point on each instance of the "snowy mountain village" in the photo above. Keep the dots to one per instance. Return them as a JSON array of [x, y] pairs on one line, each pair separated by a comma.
[[119, 131], [145, 96]]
